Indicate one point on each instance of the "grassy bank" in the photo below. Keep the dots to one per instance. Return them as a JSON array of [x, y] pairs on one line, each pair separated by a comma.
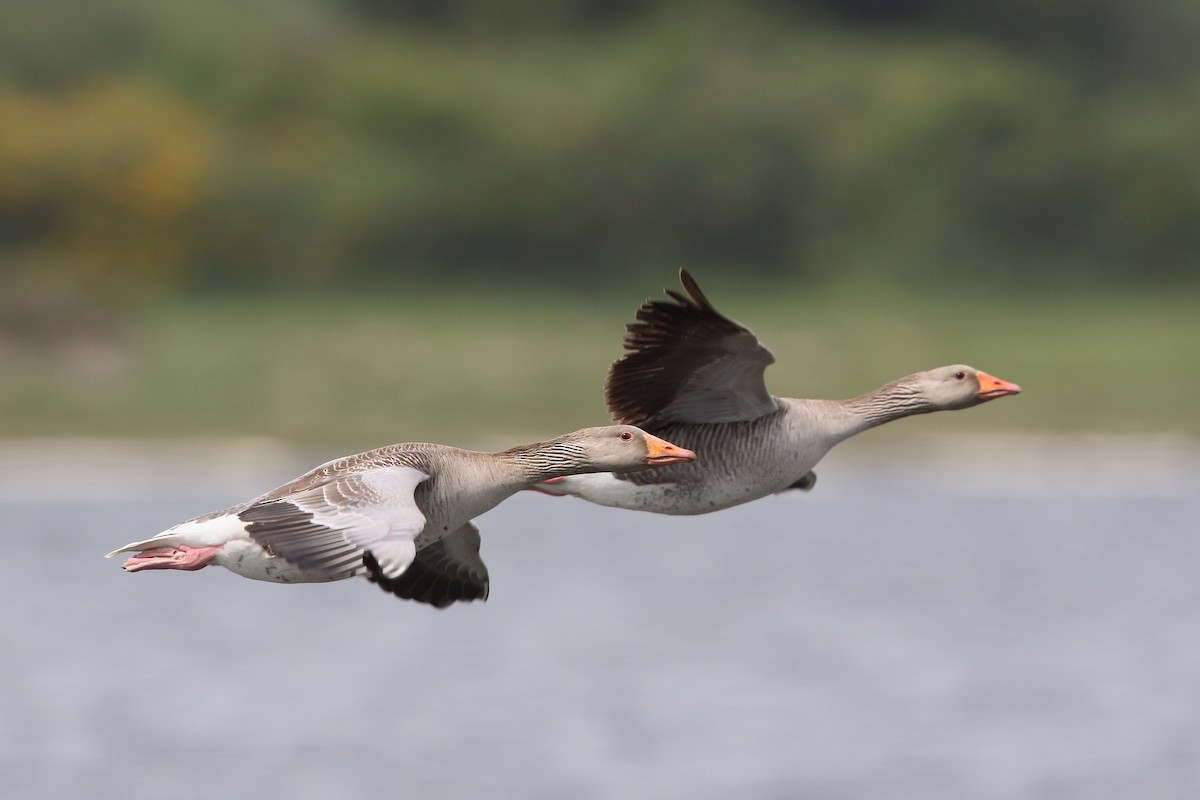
[[359, 371]]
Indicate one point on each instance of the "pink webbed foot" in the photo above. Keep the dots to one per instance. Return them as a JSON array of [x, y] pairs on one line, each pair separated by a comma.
[[538, 487], [181, 557]]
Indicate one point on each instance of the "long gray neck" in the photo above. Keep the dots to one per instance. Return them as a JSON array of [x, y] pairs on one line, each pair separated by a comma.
[[534, 463], [891, 401]]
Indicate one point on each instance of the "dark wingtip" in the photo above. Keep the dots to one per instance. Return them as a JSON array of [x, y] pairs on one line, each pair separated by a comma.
[[806, 483], [374, 573], [410, 586]]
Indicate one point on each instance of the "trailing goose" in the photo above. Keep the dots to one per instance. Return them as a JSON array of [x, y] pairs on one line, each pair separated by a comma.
[[400, 514], [694, 376]]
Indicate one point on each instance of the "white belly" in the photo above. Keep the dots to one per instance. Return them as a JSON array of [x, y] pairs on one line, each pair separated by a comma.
[[719, 478], [247, 559], [679, 497]]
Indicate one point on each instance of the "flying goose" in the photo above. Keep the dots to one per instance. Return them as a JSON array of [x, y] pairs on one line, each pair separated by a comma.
[[400, 514], [694, 376]]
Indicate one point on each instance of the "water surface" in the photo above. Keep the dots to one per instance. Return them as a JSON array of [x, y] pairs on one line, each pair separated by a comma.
[[976, 619]]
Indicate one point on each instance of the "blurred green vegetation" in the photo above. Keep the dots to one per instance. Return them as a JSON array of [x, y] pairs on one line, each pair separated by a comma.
[[362, 220], [492, 370], [160, 146]]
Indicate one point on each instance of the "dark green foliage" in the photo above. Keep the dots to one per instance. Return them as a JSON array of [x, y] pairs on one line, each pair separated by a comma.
[[179, 145]]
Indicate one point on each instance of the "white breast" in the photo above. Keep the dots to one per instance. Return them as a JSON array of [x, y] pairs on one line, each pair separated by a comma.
[[246, 558]]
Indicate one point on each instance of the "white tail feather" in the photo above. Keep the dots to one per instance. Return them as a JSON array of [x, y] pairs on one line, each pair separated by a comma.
[[217, 530]]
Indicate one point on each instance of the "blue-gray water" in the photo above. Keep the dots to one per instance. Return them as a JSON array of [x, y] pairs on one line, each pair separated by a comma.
[[979, 619]]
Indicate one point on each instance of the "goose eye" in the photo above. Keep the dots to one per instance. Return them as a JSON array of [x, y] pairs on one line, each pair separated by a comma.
[[960, 375], [626, 436]]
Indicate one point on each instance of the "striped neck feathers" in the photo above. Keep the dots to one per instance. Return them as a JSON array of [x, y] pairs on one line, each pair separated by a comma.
[[544, 460], [900, 398]]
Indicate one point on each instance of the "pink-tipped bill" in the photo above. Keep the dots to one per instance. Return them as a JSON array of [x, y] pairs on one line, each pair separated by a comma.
[[660, 451], [991, 387]]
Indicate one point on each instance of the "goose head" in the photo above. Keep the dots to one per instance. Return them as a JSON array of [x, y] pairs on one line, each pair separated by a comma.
[[625, 448], [959, 386]]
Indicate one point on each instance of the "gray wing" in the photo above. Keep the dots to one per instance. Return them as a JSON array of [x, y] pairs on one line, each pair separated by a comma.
[[447, 571], [327, 528], [686, 362]]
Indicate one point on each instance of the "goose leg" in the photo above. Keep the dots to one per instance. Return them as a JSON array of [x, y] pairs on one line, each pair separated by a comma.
[[541, 487], [181, 557]]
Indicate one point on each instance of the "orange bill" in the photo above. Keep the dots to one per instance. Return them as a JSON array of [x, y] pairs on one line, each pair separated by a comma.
[[991, 387], [660, 451]]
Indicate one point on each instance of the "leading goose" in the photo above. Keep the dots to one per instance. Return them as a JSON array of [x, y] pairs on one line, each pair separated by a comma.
[[695, 376], [399, 514]]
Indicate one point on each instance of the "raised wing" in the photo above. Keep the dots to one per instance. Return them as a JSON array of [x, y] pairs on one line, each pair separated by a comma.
[[326, 529], [447, 571], [687, 362]]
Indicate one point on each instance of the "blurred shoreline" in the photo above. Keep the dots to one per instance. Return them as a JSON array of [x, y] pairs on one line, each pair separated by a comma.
[[36, 470]]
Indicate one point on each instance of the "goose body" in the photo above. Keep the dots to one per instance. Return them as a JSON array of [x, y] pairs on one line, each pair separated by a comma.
[[750, 459], [696, 377], [401, 515]]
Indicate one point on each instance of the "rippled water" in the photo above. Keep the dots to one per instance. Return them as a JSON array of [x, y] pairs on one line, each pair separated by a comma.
[[972, 620]]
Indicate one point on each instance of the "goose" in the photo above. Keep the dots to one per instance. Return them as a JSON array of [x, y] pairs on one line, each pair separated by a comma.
[[399, 514], [694, 376]]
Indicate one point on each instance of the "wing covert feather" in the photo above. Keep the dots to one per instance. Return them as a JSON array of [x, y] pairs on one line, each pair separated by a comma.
[[687, 362], [327, 528]]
